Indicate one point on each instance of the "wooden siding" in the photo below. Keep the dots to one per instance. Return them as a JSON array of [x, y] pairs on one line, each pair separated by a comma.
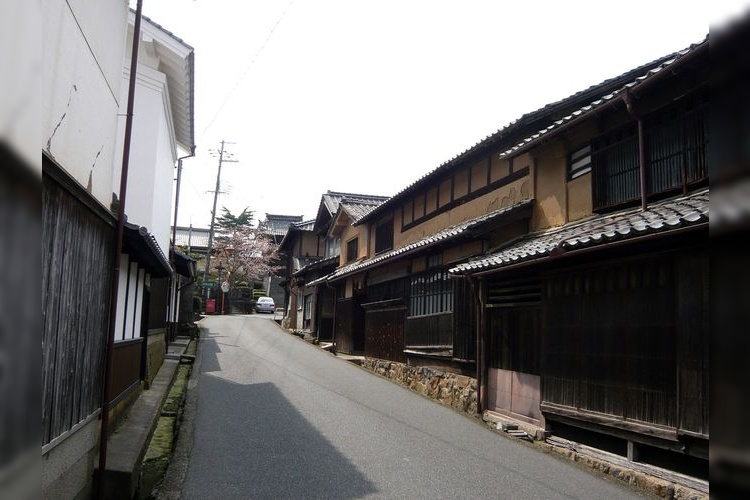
[[514, 338], [693, 316], [126, 368], [349, 327], [384, 332], [609, 341], [429, 332], [464, 322], [77, 262]]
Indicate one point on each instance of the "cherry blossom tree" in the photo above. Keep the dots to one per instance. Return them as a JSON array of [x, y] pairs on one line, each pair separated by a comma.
[[244, 255]]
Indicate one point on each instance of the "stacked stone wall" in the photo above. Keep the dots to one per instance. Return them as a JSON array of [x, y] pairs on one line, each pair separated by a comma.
[[450, 389]]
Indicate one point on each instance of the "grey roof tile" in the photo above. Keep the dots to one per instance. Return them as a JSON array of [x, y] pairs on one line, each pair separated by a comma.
[[443, 235], [663, 216]]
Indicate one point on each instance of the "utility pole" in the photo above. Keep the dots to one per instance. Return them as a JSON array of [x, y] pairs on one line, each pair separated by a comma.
[[222, 159]]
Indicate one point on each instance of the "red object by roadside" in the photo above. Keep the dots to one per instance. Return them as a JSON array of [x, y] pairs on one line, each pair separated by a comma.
[[210, 306]]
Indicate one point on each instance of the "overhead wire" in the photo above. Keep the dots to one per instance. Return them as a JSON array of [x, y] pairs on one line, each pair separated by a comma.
[[246, 70]]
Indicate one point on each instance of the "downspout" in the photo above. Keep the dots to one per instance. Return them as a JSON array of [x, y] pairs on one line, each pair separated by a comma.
[[478, 310], [173, 305], [117, 254], [628, 99]]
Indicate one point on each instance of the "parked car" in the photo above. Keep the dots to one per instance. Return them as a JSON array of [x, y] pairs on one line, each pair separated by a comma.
[[265, 304]]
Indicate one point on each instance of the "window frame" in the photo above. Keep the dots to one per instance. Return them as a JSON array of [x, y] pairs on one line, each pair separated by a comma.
[[352, 249], [379, 236]]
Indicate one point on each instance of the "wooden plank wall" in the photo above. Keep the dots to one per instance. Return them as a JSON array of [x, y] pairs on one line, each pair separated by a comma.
[[384, 333], [435, 330], [77, 253], [343, 325], [609, 340], [126, 367], [464, 322]]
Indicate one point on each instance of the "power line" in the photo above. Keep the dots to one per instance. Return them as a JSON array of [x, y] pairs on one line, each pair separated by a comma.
[[245, 71]]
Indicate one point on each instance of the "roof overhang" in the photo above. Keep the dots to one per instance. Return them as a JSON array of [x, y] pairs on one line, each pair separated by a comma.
[[467, 229], [176, 60], [662, 219], [184, 265], [142, 247]]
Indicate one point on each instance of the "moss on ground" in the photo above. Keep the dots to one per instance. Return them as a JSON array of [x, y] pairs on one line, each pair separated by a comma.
[[191, 348], [156, 461], [176, 394], [159, 451]]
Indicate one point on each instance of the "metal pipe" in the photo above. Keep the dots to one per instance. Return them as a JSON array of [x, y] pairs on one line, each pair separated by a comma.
[[642, 163], [177, 192], [478, 312], [117, 253]]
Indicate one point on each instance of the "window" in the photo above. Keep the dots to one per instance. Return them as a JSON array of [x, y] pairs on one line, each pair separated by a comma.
[[675, 149], [333, 247], [384, 236], [579, 162], [431, 293], [352, 249]]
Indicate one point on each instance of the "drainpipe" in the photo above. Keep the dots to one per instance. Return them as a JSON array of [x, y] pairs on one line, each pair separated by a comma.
[[478, 311], [628, 99], [106, 396], [173, 305]]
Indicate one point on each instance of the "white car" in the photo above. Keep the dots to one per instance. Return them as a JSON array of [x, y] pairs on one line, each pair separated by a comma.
[[265, 304]]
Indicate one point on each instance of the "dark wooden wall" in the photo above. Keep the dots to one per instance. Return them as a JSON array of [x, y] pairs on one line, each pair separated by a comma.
[[77, 253], [464, 322], [349, 327], [433, 331], [609, 340], [384, 332], [126, 368]]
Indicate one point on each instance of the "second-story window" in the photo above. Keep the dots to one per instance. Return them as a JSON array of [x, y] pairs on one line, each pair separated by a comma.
[[333, 247], [352, 248], [579, 162], [384, 236]]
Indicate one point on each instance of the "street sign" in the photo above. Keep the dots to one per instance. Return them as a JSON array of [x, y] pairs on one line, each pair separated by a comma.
[[225, 287]]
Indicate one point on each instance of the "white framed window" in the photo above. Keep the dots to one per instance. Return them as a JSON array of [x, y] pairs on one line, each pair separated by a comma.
[[579, 162]]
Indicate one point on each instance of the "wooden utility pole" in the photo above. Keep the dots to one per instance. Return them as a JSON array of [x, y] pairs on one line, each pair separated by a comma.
[[222, 159]]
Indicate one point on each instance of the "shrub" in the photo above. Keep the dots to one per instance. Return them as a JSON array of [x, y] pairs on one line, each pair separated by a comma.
[[197, 303]]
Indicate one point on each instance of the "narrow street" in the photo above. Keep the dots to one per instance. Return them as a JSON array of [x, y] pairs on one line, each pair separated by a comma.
[[275, 417]]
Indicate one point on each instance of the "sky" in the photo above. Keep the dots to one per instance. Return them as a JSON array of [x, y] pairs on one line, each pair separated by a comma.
[[368, 96]]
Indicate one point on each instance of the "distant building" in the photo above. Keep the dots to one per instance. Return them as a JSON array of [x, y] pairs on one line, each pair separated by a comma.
[[276, 226]]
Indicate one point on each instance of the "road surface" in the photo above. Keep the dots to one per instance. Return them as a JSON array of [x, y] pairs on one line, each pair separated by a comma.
[[276, 417]]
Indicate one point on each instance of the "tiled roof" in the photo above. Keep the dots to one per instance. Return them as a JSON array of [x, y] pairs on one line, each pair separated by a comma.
[[358, 207], [659, 217], [548, 113], [597, 104], [331, 199], [304, 225], [446, 234], [195, 237], [278, 225], [307, 225], [317, 265]]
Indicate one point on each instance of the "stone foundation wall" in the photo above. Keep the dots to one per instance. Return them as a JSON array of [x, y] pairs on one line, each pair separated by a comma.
[[450, 389]]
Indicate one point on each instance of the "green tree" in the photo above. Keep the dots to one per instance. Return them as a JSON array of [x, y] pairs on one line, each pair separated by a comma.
[[227, 224]]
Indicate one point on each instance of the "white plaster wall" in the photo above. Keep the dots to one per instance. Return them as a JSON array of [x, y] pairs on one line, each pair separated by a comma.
[[82, 52], [122, 284], [132, 300], [152, 156]]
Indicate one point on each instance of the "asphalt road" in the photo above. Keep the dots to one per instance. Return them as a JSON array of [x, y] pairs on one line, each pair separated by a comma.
[[275, 417]]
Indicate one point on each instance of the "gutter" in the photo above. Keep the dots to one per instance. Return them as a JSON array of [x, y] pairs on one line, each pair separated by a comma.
[[115, 276]]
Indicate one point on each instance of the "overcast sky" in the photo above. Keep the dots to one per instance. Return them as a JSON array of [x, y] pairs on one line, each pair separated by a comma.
[[368, 96]]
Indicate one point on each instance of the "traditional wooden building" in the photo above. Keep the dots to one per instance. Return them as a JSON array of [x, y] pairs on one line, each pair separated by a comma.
[[599, 323], [315, 302], [562, 261]]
